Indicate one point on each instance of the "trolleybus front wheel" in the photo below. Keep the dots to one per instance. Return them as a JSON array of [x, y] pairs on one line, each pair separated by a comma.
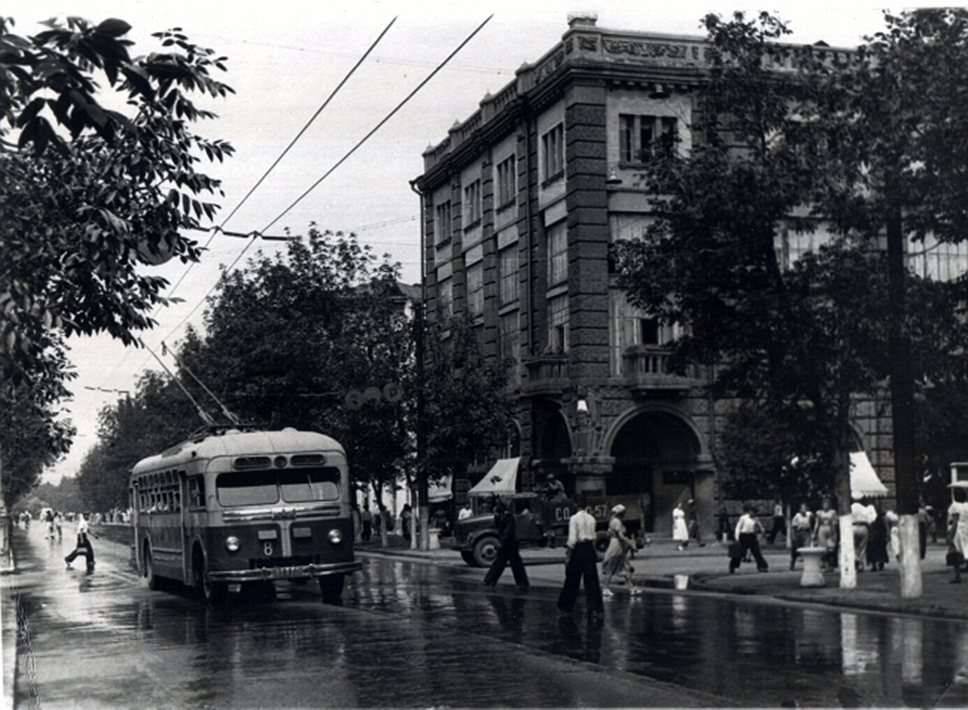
[[153, 580], [213, 593], [332, 589]]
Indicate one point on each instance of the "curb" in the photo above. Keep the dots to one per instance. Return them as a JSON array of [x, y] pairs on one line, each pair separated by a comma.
[[10, 640]]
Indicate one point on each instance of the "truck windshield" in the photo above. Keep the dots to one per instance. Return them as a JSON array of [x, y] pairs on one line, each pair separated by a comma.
[[267, 487]]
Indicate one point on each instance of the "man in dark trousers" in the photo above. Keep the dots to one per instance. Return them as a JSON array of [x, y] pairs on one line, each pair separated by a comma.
[[507, 533], [581, 562], [83, 545]]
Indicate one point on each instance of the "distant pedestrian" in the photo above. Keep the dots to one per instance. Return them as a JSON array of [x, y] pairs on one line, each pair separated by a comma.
[[83, 545], [581, 562], [695, 532], [877, 542], [366, 518], [827, 533], [779, 522], [957, 531], [357, 525], [801, 528], [860, 517], [747, 530], [509, 553], [620, 547], [724, 531], [378, 521], [680, 531], [893, 534], [406, 521], [924, 518]]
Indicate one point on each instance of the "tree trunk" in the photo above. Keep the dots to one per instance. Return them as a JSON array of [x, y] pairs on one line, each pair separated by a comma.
[[6, 553], [847, 558], [423, 513], [902, 411]]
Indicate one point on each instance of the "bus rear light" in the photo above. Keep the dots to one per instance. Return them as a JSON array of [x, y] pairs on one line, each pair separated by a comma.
[[232, 543], [335, 536]]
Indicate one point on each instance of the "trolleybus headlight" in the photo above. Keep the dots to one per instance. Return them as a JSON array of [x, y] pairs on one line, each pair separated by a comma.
[[335, 536], [232, 543]]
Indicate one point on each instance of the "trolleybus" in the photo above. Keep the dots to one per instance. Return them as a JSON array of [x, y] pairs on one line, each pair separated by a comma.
[[234, 507]]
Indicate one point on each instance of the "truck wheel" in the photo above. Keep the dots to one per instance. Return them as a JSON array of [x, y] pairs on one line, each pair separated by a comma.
[[468, 557], [485, 550], [332, 589]]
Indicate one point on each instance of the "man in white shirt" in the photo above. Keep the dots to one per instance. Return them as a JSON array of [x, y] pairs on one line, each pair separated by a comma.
[[581, 562], [747, 528], [465, 512], [83, 545]]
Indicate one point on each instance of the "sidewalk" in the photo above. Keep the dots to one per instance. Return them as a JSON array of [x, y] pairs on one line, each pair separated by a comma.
[[705, 569]]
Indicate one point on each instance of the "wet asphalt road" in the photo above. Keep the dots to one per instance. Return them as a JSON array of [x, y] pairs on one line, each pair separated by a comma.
[[413, 634]]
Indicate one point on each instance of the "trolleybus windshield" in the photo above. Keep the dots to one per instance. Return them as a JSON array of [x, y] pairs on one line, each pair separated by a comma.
[[267, 487]]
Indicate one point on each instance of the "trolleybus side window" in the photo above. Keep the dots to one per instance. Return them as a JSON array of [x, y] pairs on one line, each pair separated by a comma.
[[159, 493], [196, 492]]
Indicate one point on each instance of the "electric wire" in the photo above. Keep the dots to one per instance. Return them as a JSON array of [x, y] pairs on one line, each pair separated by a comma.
[[258, 183], [337, 164]]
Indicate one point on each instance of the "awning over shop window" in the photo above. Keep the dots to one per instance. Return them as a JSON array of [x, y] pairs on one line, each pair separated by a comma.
[[864, 482], [501, 480]]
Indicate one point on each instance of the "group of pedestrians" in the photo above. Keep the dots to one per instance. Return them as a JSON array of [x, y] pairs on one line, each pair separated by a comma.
[[581, 558]]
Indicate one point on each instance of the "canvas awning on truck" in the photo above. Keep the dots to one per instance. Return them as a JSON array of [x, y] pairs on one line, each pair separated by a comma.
[[501, 480], [864, 482]]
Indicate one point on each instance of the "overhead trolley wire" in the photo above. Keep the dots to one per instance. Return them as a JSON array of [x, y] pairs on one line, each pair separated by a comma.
[[364, 139], [221, 227]]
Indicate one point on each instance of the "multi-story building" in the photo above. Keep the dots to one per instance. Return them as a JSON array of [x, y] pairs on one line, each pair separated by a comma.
[[520, 203]]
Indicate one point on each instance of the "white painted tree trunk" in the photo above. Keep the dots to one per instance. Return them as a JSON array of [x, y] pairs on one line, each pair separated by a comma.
[[848, 558], [910, 557]]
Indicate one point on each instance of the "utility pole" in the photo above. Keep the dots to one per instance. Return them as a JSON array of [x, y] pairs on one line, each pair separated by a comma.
[[423, 509], [902, 410]]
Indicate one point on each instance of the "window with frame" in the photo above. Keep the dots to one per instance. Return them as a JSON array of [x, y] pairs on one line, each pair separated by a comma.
[[553, 153], [643, 137], [509, 339], [630, 327], [558, 324], [507, 188], [475, 289], [557, 242], [472, 205], [445, 298], [442, 222], [508, 275]]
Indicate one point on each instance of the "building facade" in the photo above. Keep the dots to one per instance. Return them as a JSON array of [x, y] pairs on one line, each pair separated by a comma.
[[520, 203]]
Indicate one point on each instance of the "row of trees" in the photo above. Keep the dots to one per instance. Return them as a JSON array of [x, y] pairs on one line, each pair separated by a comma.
[[867, 148], [286, 341]]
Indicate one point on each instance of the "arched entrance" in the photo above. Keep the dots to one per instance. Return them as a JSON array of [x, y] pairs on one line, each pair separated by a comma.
[[554, 447], [657, 455]]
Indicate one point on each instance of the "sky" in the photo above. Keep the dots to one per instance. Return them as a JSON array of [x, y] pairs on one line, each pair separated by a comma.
[[284, 58]]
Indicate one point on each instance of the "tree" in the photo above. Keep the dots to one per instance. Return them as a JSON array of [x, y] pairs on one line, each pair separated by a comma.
[[289, 338], [456, 406], [147, 423], [89, 194], [798, 336], [900, 113]]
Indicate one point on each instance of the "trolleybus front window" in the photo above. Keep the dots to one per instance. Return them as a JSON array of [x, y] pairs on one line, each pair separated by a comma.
[[249, 488], [309, 485]]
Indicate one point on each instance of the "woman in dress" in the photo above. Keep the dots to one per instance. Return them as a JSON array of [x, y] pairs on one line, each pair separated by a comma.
[[877, 542], [957, 530], [620, 546], [826, 533], [680, 531]]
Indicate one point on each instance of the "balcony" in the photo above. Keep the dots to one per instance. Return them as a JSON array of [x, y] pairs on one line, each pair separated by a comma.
[[545, 375], [646, 370]]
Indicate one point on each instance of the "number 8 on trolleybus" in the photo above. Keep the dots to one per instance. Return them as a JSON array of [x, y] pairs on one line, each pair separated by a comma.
[[235, 507]]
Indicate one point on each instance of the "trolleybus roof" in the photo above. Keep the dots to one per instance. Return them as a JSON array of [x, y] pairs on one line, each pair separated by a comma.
[[233, 442]]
